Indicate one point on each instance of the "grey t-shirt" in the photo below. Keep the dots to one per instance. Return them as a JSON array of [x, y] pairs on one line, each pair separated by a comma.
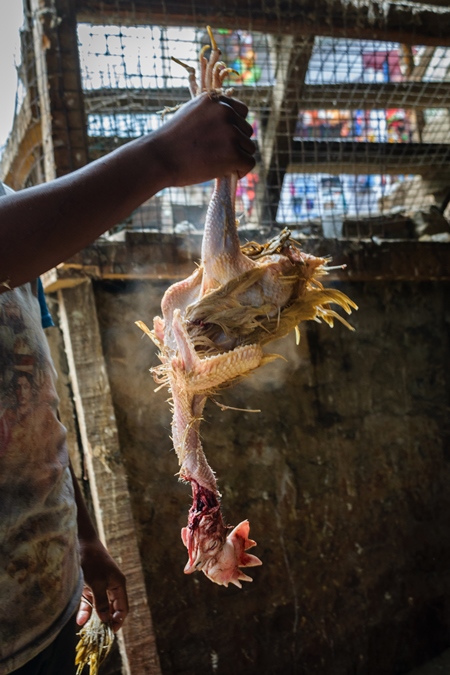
[[40, 577]]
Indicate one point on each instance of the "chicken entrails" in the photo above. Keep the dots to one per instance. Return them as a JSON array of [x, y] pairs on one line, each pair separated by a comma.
[[213, 327]]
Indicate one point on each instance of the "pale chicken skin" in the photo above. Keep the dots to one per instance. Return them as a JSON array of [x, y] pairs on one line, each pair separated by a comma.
[[211, 334]]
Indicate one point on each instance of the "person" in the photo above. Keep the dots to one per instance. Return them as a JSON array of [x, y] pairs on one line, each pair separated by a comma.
[[50, 554]]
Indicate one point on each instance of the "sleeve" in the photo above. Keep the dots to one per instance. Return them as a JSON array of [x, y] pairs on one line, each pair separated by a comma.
[[46, 317]]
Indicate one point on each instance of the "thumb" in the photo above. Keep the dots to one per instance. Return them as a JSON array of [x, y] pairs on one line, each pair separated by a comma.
[[85, 609]]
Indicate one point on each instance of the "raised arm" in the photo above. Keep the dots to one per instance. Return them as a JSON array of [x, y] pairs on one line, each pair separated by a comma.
[[44, 225]]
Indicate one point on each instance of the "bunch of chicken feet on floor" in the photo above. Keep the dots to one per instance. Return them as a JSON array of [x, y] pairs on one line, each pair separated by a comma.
[[214, 325]]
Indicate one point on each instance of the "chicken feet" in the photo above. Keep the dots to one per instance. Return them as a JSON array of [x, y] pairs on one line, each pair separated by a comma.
[[213, 327]]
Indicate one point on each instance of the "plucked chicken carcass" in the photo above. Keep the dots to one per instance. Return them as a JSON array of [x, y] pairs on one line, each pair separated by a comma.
[[213, 328]]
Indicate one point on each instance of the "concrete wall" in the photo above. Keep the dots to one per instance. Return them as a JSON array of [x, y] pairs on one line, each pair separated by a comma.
[[344, 476]]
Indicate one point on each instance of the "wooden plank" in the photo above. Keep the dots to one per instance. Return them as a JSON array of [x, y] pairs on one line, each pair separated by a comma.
[[108, 100], [416, 73], [65, 277], [366, 260], [431, 160], [153, 256], [419, 70], [66, 407], [42, 86], [292, 58], [376, 20], [344, 96], [417, 116], [436, 3], [378, 260], [59, 85], [107, 477], [22, 151], [376, 96]]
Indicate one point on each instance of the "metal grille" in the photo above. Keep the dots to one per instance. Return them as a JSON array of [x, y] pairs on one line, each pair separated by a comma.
[[129, 77], [353, 133], [365, 126]]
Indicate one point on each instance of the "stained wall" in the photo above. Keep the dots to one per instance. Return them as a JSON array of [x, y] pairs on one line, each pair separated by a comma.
[[343, 475]]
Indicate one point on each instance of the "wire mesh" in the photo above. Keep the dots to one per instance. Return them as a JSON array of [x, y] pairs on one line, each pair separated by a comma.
[[353, 133], [129, 76], [354, 92]]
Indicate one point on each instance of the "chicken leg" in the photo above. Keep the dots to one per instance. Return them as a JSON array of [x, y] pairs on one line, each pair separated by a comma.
[[213, 327]]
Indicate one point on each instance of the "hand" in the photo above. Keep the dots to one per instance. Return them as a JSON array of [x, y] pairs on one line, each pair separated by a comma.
[[105, 586], [207, 138]]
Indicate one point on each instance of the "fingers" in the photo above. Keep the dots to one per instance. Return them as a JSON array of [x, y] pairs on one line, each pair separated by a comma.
[[244, 131], [110, 602], [246, 150], [101, 602], [119, 606], [85, 609], [237, 105], [240, 112], [206, 138], [247, 165], [245, 143]]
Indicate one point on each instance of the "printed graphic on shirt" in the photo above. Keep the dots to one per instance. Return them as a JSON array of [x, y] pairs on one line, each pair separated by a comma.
[[39, 561], [22, 372]]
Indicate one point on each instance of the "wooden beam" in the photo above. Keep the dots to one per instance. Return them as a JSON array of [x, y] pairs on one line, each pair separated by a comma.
[[420, 68], [59, 86], [431, 160], [292, 58], [354, 96], [67, 277], [417, 116], [435, 3], [22, 151], [66, 408], [107, 477], [416, 73], [381, 260], [171, 256], [110, 100], [376, 96], [366, 260], [375, 20]]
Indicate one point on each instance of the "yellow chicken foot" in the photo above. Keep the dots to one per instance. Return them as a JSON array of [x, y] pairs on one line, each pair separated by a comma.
[[213, 327]]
